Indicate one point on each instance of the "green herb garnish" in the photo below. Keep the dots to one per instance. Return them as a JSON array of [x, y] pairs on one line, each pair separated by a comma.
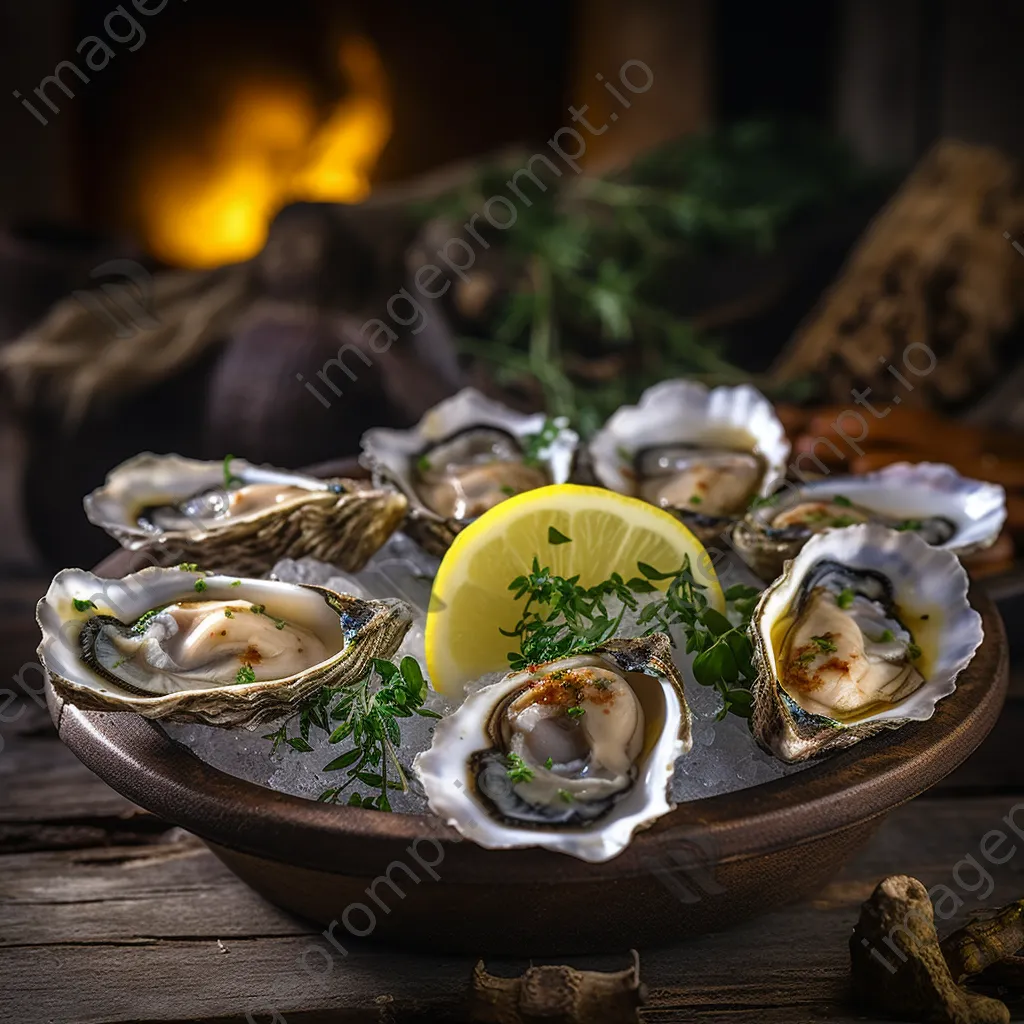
[[236, 583], [696, 499], [909, 524], [535, 444], [257, 609], [557, 537], [200, 586], [82, 605], [845, 598], [229, 478], [228, 613], [564, 794], [518, 769], [771, 499], [887, 637], [576, 712], [824, 643], [843, 521], [423, 464], [841, 500], [549, 763], [509, 492], [914, 652], [246, 674], [367, 714], [189, 567]]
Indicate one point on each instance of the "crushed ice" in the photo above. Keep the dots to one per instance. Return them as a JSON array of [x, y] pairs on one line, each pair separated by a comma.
[[724, 757]]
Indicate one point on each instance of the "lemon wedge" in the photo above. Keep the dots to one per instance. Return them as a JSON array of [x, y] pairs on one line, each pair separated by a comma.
[[607, 532]]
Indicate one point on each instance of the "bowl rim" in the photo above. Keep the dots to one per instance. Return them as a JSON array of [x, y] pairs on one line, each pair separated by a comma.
[[138, 759]]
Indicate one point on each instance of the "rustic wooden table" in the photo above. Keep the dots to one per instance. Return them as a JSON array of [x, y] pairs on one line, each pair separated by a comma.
[[108, 914]]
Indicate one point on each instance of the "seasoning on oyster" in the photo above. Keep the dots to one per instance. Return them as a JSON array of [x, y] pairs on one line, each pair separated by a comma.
[[239, 517], [867, 629], [464, 457], [703, 454], [932, 500], [463, 477], [185, 646], [574, 755]]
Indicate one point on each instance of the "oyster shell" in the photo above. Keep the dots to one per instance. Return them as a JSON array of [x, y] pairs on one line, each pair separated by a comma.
[[465, 456], [181, 508], [867, 629], [942, 507], [574, 755], [190, 647], [702, 454]]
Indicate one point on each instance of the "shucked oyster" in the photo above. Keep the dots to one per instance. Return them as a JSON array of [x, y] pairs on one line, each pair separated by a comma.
[[574, 755], [700, 454], [867, 629], [185, 646], [932, 500], [465, 456], [239, 517]]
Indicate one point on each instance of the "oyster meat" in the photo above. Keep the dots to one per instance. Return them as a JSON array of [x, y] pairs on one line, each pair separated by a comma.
[[574, 755], [932, 500], [867, 629], [239, 517], [185, 646], [464, 457], [464, 476], [702, 454]]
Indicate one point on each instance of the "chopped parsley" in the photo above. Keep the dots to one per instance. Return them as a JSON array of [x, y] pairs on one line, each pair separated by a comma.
[[189, 567], [845, 597], [236, 583], [576, 712], [908, 524], [914, 652], [696, 499], [518, 769], [887, 637], [549, 763], [565, 795], [842, 501], [508, 491], [843, 521], [423, 464], [257, 609], [824, 643], [229, 478], [557, 537], [82, 605], [228, 613], [246, 674], [200, 586], [759, 502], [807, 657], [536, 444]]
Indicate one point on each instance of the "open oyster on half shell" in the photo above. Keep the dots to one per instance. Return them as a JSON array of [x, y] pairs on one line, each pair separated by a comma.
[[241, 518], [942, 507], [867, 629], [573, 755], [464, 457], [190, 647], [701, 454]]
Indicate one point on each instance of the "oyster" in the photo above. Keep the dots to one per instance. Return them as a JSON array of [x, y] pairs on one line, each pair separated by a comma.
[[702, 454], [465, 456], [867, 629], [574, 755], [239, 517], [190, 647], [930, 499]]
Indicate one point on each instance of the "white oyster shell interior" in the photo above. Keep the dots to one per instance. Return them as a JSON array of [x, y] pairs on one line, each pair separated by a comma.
[[391, 454], [631, 759], [686, 412], [929, 589], [149, 481]]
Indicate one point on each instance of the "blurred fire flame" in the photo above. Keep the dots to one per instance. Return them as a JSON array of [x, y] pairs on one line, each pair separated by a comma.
[[214, 207]]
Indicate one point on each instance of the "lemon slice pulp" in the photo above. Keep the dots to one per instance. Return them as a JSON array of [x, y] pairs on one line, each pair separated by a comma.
[[608, 532]]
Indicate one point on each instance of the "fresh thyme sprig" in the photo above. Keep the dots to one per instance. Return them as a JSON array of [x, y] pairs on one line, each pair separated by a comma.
[[365, 714], [561, 618]]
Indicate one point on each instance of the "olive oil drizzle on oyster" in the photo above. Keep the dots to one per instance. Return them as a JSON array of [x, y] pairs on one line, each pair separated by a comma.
[[869, 645]]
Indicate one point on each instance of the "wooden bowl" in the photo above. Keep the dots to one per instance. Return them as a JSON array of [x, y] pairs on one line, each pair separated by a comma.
[[412, 880]]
